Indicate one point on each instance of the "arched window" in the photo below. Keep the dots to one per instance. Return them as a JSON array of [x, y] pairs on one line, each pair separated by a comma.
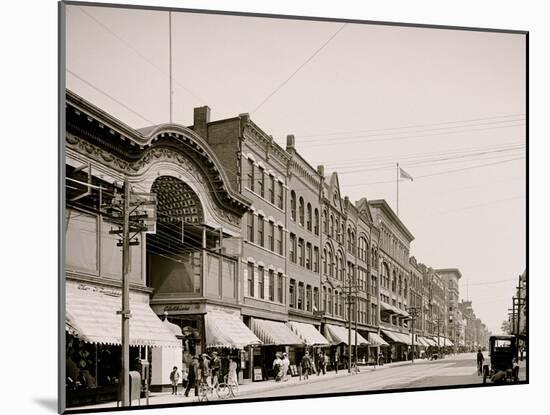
[[316, 222], [325, 270], [349, 240], [400, 286], [293, 205], [330, 300], [330, 263], [341, 268], [325, 299], [352, 242], [331, 226], [394, 282], [301, 211], [336, 302], [309, 217], [343, 234], [337, 228]]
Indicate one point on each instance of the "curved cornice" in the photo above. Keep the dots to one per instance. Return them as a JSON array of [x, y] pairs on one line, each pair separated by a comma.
[[133, 145]]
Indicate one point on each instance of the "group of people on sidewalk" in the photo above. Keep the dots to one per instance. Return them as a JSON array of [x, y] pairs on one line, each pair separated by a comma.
[[208, 368]]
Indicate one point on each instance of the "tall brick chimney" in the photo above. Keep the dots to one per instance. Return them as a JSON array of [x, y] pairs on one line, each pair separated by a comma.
[[290, 142], [201, 117]]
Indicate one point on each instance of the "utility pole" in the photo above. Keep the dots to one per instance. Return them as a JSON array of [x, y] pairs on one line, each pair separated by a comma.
[[413, 311], [350, 300], [125, 313], [134, 212]]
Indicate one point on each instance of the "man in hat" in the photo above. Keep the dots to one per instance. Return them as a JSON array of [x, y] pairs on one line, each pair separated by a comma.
[[215, 367], [193, 377], [277, 367], [286, 365], [306, 365], [205, 369]]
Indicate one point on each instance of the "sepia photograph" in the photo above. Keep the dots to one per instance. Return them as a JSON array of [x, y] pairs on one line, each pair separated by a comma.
[[260, 207]]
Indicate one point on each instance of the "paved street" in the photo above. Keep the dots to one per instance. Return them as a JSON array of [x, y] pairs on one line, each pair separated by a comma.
[[453, 370]]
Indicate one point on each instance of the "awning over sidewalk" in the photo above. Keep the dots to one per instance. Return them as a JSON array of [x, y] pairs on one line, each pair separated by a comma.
[[274, 333], [376, 340], [398, 337], [395, 310], [430, 341], [308, 333], [91, 315], [339, 335], [228, 330], [421, 341]]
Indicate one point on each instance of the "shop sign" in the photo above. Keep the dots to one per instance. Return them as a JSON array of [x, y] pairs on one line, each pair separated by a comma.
[[258, 373]]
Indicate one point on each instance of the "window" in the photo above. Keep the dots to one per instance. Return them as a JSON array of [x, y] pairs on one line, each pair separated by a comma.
[[261, 281], [343, 241], [271, 189], [309, 217], [280, 241], [325, 299], [300, 305], [292, 294], [271, 236], [308, 255], [301, 211], [251, 174], [261, 224], [325, 270], [331, 226], [337, 228], [280, 288], [349, 240], [336, 303], [250, 278], [292, 248], [281, 195], [316, 259], [271, 285], [250, 226], [301, 252], [315, 299], [261, 181], [341, 269], [325, 222], [316, 222], [330, 264], [342, 305], [330, 300], [308, 298], [293, 205]]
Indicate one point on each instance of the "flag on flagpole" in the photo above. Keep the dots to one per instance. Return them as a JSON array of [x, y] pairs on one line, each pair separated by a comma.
[[404, 175]]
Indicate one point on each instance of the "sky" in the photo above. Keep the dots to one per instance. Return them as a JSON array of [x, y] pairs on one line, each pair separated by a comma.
[[447, 105]]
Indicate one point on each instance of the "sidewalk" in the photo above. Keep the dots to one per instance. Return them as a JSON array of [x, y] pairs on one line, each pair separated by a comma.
[[161, 398]]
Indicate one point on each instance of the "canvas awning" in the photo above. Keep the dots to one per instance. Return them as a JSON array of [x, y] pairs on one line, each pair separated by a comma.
[[376, 340], [274, 333], [308, 333], [421, 341], [430, 341], [91, 315], [339, 334], [228, 330], [398, 337]]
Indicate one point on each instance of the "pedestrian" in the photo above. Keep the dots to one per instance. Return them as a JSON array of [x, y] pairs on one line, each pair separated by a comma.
[[319, 362], [336, 358], [184, 376], [286, 365], [306, 365], [381, 358], [232, 373], [480, 360], [174, 379], [193, 377], [325, 363], [277, 367], [215, 369], [205, 370]]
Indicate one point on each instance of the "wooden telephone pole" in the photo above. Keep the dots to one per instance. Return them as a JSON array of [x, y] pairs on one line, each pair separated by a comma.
[[413, 311]]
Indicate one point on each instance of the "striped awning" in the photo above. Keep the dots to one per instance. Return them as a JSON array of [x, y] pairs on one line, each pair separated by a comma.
[[376, 340], [228, 330], [396, 337], [422, 341], [274, 333], [430, 341], [308, 333], [91, 315], [338, 335]]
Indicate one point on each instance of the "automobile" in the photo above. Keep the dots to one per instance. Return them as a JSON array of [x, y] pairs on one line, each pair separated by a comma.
[[503, 366]]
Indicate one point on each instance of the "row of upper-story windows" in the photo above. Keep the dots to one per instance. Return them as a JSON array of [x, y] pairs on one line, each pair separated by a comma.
[[303, 253], [394, 247], [265, 185], [303, 296], [334, 303], [265, 233], [265, 285], [303, 213]]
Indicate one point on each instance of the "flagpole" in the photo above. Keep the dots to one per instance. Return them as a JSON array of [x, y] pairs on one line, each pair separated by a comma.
[[397, 182]]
